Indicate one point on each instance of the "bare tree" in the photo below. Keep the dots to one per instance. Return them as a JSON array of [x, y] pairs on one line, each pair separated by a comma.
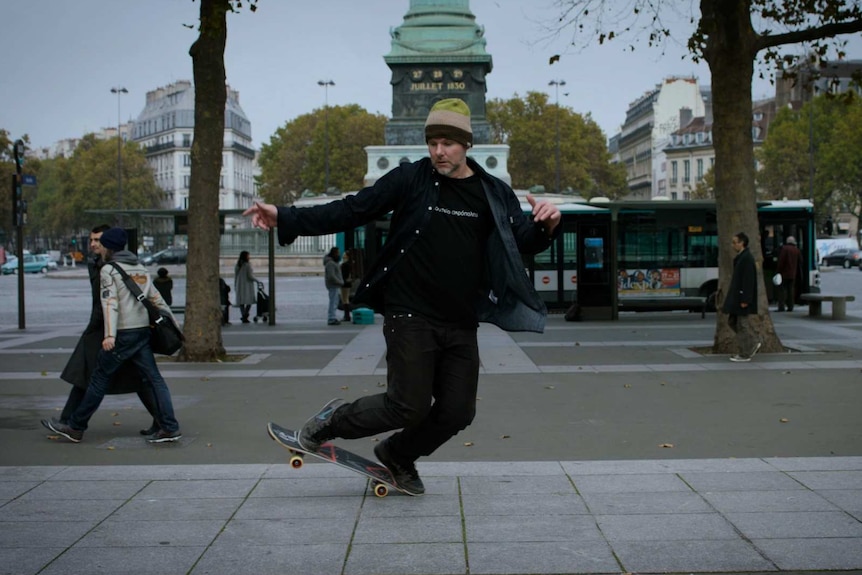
[[203, 311], [725, 37]]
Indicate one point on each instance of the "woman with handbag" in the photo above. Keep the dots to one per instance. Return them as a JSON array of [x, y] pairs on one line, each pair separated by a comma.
[[127, 338]]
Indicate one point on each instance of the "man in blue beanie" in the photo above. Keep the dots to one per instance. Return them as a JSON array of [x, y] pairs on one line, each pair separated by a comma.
[[127, 338]]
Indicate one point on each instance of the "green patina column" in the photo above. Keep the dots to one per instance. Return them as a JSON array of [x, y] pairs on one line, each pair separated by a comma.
[[437, 52]]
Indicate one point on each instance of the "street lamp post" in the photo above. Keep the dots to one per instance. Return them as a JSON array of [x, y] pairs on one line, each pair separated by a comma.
[[556, 84], [326, 84], [119, 90]]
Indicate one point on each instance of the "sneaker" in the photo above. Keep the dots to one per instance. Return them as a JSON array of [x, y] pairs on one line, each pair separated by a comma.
[[756, 349], [318, 429], [333, 322], [403, 472], [162, 436], [739, 358], [73, 435], [151, 431]]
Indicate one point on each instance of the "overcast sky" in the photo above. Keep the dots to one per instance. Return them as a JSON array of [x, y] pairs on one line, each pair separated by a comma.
[[63, 57]]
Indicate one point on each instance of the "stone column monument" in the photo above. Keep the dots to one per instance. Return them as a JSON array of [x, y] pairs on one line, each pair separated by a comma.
[[437, 52]]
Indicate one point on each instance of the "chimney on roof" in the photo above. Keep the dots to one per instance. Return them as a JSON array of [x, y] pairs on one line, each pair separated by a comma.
[[685, 116]]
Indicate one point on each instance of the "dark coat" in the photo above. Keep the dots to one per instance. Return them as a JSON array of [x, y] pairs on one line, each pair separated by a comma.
[[743, 286], [409, 191], [83, 359], [788, 262]]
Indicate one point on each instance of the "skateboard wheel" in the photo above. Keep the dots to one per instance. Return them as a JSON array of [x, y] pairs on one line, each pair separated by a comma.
[[381, 490], [296, 461]]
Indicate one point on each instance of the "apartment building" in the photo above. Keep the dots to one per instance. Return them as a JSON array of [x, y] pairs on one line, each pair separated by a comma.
[[165, 129], [650, 122]]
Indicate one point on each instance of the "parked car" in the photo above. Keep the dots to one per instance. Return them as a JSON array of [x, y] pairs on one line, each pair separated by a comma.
[[52, 264], [168, 256], [844, 257], [32, 265]]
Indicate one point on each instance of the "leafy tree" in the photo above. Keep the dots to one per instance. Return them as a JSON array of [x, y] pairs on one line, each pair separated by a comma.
[[528, 125], [726, 38], [294, 159], [88, 180], [839, 159], [823, 131], [67, 187]]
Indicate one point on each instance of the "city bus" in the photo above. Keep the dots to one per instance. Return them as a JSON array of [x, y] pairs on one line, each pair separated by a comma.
[[639, 255], [658, 254]]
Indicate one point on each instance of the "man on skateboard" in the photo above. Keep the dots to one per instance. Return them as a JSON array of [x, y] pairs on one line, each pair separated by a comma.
[[450, 261]]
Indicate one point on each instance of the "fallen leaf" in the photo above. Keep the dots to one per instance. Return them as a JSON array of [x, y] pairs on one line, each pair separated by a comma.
[[627, 386], [53, 437], [115, 414], [345, 387], [44, 373], [549, 387], [468, 444], [783, 420], [205, 378], [666, 445], [111, 448], [505, 436], [209, 444], [116, 424]]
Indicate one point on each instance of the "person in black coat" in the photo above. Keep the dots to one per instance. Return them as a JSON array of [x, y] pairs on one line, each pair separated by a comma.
[[83, 359], [741, 300]]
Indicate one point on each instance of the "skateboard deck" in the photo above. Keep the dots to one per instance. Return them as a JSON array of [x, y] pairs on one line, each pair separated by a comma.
[[381, 479]]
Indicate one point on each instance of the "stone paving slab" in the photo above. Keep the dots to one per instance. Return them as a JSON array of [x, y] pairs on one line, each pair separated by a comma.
[[675, 516]]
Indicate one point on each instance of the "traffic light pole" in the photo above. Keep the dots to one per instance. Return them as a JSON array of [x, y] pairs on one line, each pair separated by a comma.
[[19, 216]]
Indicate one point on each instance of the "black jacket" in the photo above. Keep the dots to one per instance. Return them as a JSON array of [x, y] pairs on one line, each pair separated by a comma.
[[410, 192], [743, 286]]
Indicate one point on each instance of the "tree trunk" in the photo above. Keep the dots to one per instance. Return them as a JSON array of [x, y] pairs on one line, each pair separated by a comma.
[[730, 52], [203, 310]]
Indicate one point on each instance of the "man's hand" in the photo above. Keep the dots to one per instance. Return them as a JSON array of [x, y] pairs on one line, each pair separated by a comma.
[[263, 216], [545, 213], [108, 343]]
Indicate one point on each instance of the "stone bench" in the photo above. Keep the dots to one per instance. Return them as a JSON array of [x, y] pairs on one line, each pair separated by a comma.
[[815, 304]]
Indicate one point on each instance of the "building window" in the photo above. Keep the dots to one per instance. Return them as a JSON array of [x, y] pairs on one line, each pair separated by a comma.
[[674, 173], [187, 140], [187, 159], [700, 170], [686, 167]]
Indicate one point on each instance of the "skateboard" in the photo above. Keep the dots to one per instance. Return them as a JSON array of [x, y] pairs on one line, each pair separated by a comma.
[[381, 479]]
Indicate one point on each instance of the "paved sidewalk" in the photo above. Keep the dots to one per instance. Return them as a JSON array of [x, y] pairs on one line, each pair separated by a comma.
[[538, 502], [749, 515]]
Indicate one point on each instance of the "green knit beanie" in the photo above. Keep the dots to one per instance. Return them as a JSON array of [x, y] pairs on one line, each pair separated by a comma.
[[450, 119]]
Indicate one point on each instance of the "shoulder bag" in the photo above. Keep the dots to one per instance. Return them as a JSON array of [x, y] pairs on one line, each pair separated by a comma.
[[165, 337]]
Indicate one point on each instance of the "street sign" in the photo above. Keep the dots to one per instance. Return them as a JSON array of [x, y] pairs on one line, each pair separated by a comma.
[[28, 180]]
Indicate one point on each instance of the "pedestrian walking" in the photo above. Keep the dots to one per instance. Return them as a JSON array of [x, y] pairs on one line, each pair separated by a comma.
[[788, 267], [741, 300], [333, 281], [451, 260], [224, 298], [165, 284], [245, 286], [127, 338], [82, 362], [347, 279]]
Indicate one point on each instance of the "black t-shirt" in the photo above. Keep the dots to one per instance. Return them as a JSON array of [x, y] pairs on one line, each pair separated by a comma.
[[439, 276]]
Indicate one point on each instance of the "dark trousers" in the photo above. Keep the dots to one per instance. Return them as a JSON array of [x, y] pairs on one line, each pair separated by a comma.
[[432, 379], [76, 396], [131, 345], [745, 340], [786, 294]]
